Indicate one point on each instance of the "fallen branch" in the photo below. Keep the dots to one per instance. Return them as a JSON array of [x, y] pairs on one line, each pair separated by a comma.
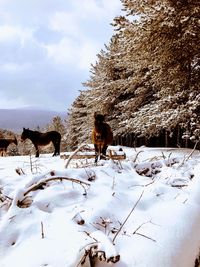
[[74, 153], [44, 181], [179, 185], [3, 197], [92, 156], [127, 218], [25, 203], [86, 257]]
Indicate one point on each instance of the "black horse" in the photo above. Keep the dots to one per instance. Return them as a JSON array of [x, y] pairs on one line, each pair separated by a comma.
[[42, 139], [4, 143]]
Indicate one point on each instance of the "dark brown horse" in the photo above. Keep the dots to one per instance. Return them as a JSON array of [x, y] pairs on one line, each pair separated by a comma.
[[102, 136], [42, 139], [4, 143]]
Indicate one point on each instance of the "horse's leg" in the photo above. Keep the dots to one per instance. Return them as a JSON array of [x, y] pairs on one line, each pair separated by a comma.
[[97, 152], [4, 152], [56, 147], [54, 154], [103, 151], [55, 150], [37, 151], [58, 150]]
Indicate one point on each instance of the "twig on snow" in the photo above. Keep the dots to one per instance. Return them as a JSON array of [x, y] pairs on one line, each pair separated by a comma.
[[20, 171], [143, 185], [88, 234], [78, 219], [146, 237], [42, 230], [179, 185], [73, 154], [192, 151], [127, 217], [136, 232], [136, 156], [187, 158]]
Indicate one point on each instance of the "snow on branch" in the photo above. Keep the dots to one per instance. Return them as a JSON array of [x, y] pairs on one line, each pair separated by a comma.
[[43, 182], [100, 249]]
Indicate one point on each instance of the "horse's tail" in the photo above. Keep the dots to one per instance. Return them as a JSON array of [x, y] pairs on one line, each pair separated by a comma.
[[59, 137], [15, 141], [109, 134]]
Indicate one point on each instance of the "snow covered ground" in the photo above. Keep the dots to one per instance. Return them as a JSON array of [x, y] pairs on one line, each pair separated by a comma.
[[142, 211]]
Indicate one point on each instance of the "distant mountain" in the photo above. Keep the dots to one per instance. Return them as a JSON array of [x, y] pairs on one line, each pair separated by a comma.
[[15, 119]]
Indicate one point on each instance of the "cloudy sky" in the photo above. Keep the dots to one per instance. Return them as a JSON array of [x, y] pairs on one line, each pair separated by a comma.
[[47, 47]]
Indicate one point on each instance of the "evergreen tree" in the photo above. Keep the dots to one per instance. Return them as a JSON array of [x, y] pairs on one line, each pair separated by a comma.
[[168, 43], [57, 125], [147, 79], [78, 128]]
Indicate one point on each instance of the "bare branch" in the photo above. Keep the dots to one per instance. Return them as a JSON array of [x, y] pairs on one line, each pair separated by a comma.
[[73, 154], [42, 230], [44, 181], [146, 237], [127, 217], [78, 219], [192, 151], [20, 171], [136, 156], [140, 226]]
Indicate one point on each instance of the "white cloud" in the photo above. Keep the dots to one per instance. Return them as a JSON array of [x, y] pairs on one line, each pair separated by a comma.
[[84, 11], [87, 54], [11, 33], [13, 67], [50, 43], [62, 52], [111, 7], [65, 22], [12, 103], [71, 53], [96, 9], [82, 27]]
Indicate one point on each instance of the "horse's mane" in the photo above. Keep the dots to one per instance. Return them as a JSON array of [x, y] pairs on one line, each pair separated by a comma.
[[37, 132], [32, 131]]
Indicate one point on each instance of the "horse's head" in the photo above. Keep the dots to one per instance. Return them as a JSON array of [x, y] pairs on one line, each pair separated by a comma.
[[99, 118], [99, 126], [24, 134]]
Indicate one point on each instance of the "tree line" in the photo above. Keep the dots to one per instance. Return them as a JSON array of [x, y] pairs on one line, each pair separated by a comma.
[[146, 80]]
